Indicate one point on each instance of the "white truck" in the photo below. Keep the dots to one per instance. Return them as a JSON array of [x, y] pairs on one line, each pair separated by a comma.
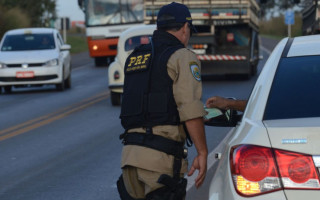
[[227, 41]]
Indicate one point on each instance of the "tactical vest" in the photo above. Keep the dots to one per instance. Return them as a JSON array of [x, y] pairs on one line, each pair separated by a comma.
[[147, 94]]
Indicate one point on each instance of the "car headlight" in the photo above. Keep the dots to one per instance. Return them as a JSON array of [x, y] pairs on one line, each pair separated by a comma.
[[53, 62], [2, 65]]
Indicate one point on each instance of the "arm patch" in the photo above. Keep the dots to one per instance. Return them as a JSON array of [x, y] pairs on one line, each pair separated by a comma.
[[195, 70]]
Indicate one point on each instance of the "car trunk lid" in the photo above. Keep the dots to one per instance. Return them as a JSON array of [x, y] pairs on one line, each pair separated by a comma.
[[301, 136], [298, 135]]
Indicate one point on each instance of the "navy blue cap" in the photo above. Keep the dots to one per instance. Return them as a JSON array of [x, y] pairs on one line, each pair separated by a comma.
[[174, 13]]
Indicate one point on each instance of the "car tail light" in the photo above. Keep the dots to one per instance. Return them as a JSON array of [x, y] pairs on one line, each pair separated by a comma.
[[257, 170], [297, 170], [116, 75], [254, 170]]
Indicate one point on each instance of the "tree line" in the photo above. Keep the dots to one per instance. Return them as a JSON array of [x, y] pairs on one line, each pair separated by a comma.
[[280, 6], [26, 13]]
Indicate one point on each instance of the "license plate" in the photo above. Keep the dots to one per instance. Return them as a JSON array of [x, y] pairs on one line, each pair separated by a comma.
[[26, 74]]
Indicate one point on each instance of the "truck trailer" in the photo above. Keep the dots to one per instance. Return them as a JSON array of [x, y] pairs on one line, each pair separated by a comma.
[[227, 41]]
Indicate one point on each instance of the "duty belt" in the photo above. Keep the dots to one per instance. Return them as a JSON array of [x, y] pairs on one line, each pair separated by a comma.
[[165, 145], [156, 142]]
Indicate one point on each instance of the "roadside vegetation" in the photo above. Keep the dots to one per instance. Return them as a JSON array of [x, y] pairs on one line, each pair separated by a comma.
[[26, 13], [78, 42], [276, 28], [13, 18]]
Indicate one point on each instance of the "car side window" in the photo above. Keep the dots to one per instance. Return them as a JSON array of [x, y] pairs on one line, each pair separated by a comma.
[[295, 89]]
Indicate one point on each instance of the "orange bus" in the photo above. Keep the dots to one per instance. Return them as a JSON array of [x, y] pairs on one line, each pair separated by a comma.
[[105, 20]]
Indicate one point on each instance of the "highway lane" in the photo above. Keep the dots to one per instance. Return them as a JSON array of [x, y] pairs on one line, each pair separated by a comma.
[[67, 147], [64, 145]]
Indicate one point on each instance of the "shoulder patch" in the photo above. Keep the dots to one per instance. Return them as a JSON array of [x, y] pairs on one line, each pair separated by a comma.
[[195, 70]]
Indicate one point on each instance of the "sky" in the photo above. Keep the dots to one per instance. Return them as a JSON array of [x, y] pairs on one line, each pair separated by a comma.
[[69, 8]]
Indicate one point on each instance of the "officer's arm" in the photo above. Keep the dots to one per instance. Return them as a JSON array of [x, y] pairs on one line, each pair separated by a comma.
[[187, 90], [197, 134]]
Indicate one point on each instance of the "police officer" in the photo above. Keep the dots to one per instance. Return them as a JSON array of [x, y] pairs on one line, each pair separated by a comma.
[[161, 104]]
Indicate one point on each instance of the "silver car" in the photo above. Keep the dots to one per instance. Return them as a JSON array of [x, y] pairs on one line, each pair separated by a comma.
[[34, 56], [274, 150]]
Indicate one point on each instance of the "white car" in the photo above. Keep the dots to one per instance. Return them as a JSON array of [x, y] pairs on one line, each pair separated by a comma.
[[274, 150], [128, 40], [34, 56]]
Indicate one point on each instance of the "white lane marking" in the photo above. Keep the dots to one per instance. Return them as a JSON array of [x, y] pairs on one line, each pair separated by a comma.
[[82, 66]]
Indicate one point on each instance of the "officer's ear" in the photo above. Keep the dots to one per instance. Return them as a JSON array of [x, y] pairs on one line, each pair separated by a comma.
[[185, 34], [186, 27]]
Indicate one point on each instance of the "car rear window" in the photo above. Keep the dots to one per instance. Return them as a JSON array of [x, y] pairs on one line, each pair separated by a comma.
[[24, 42], [295, 92], [133, 42]]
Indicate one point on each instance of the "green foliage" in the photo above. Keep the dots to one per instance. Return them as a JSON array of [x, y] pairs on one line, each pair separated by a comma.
[[13, 18], [277, 27], [279, 6], [78, 43], [38, 11]]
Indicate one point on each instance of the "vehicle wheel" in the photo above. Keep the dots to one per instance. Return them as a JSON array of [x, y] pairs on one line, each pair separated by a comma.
[[110, 60], [254, 70], [100, 61], [60, 86], [8, 89], [115, 99], [67, 82], [247, 76]]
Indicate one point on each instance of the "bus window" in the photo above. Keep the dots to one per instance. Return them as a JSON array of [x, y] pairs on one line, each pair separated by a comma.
[[104, 12]]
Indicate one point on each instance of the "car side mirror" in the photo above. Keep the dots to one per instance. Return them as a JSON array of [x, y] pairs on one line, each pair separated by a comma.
[[228, 118], [65, 47]]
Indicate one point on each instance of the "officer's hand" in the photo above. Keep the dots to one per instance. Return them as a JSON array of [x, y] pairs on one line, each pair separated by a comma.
[[199, 163]]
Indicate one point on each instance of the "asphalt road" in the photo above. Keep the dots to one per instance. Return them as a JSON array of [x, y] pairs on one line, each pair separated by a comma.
[[64, 145]]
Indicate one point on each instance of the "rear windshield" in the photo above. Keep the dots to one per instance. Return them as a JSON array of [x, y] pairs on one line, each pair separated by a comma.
[[26, 42], [133, 42], [295, 91]]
